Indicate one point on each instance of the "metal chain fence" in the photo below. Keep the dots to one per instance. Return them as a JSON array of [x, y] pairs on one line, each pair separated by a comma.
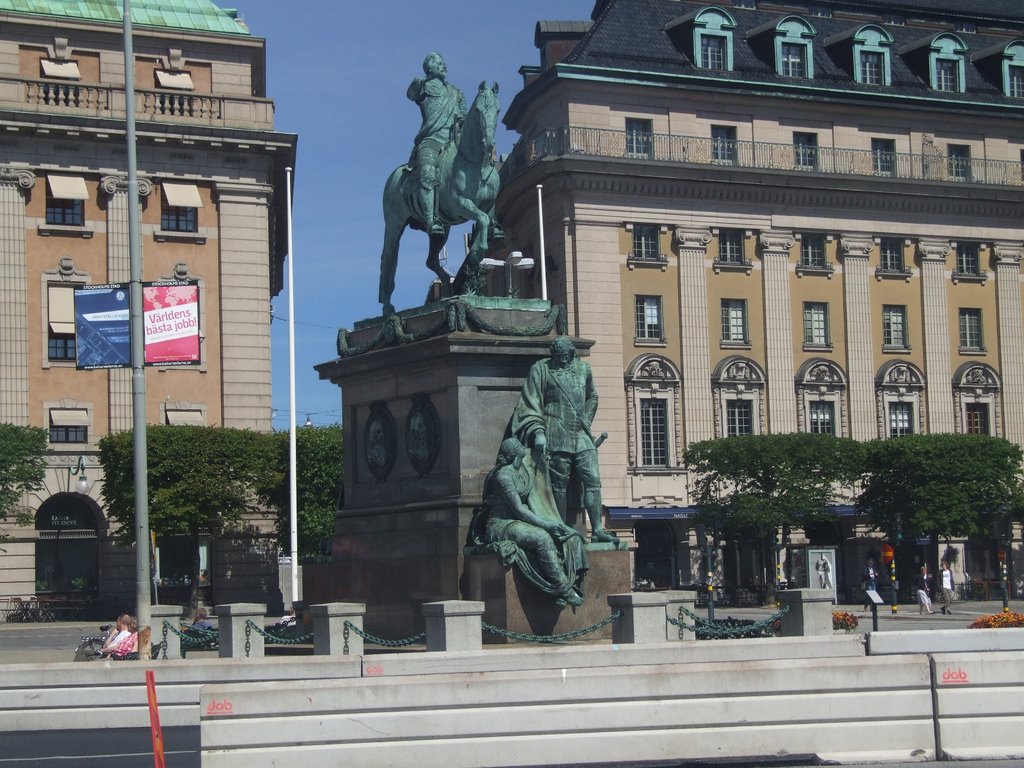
[[551, 638], [725, 628], [378, 640]]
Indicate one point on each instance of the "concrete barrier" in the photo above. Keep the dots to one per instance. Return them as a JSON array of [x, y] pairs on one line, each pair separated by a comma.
[[106, 694], [946, 641], [978, 704], [853, 709]]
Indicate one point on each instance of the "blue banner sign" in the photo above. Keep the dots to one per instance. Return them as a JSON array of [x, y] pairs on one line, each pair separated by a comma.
[[103, 326]]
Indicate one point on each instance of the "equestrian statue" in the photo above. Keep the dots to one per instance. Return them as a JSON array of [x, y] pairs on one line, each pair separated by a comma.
[[449, 179]]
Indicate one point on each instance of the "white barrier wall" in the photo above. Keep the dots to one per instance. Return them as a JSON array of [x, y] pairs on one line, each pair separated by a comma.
[[847, 709], [97, 695], [979, 704]]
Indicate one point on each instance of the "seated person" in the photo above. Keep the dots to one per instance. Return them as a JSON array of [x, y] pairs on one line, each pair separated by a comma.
[[116, 635], [129, 644], [200, 619]]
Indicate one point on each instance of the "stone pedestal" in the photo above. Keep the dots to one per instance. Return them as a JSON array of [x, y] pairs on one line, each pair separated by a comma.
[[514, 604], [810, 612], [423, 421]]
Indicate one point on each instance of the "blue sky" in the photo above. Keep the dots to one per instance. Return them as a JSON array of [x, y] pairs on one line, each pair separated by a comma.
[[337, 71]]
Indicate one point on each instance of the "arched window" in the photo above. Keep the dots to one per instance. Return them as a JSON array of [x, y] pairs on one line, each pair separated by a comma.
[[821, 397], [976, 404], [946, 58], [794, 54], [652, 400], [712, 39], [738, 390], [66, 548], [871, 64], [1013, 70], [899, 387]]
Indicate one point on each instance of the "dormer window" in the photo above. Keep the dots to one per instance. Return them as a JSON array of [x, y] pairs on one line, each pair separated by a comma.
[[946, 64], [871, 56], [712, 39], [1013, 70], [793, 52]]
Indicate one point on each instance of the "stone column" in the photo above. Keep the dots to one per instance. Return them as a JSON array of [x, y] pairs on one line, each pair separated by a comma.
[[119, 380], [937, 371], [231, 627], [810, 612], [454, 625], [329, 629], [643, 617], [172, 615], [859, 348], [698, 409], [13, 295], [245, 292], [778, 331], [1011, 338]]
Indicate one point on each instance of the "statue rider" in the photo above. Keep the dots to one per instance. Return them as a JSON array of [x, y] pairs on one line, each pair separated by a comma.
[[443, 107]]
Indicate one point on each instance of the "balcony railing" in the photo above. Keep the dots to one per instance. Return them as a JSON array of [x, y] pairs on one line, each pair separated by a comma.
[[105, 101], [695, 150]]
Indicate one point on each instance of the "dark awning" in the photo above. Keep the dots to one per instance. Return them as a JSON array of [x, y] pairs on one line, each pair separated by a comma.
[[651, 513]]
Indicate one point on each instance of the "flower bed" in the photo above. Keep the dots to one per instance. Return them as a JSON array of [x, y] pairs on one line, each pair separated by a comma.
[[998, 621], [844, 620]]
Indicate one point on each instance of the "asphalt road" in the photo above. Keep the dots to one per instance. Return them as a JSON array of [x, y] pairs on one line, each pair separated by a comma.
[[98, 748]]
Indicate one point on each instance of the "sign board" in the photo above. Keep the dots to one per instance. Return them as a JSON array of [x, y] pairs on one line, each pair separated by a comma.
[[170, 319], [887, 553], [103, 327], [876, 599]]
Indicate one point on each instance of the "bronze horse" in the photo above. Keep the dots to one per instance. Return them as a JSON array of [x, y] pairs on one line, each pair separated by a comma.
[[466, 191]]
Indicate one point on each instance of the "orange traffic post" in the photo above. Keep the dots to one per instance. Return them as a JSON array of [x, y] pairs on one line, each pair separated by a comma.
[[154, 722]]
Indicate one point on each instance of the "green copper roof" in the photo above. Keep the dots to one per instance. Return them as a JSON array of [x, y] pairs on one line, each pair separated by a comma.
[[199, 15]]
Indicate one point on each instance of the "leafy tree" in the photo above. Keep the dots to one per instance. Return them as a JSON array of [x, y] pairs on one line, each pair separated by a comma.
[[753, 484], [202, 480], [319, 481], [22, 469], [941, 485]]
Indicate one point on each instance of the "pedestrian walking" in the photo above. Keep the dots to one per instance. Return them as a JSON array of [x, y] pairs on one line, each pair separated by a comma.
[[947, 587]]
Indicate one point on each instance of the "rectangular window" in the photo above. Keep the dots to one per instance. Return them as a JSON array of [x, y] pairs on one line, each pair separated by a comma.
[[65, 200], [872, 65], [175, 219], [793, 62], [734, 320], [812, 250], [892, 255], [648, 318], [894, 326], [959, 162], [822, 417], [61, 347], [712, 52], [883, 156], [816, 330], [805, 151], [901, 419], [976, 418], [723, 144], [970, 330], [69, 425], [639, 137], [730, 246], [645, 242], [968, 259], [947, 75], [739, 418], [653, 433], [1015, 82]]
